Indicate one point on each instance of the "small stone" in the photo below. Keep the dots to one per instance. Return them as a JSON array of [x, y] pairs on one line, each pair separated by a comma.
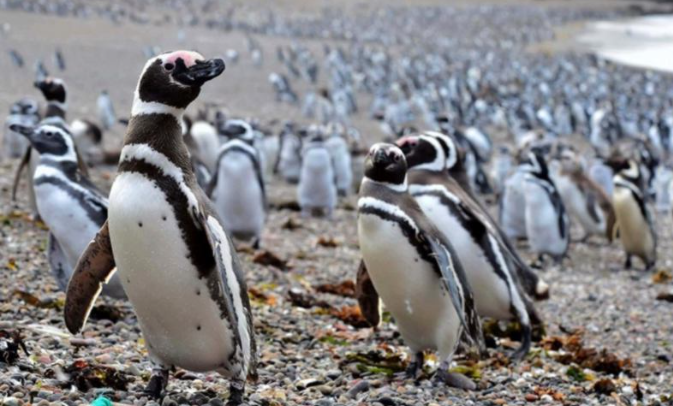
[[531, 397], [104, 358], [546, 399], [333, 374], [169, 402], [307, 383], [627, 390], [10, 401], [324, 389], [216, 402], [359, 387]]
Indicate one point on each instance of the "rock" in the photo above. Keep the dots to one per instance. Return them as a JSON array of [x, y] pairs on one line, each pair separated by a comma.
[[216, 402], [11, 401], [531, 397], [359, 387], [169, 402], [307, 383], [333, 374]]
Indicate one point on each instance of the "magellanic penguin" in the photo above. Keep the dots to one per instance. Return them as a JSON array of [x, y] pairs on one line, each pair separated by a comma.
[[237, 187], [244, 131], [414, 269], [178, 266], [24, 112], [547, 224], [584, 199], [341, 157], [68, 203], [532, 283], [488, 265], [317, 188], [634, 222], [288, 161]]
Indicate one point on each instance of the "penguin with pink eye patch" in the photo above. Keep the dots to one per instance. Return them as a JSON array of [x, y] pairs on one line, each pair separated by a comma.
[[176, 263]]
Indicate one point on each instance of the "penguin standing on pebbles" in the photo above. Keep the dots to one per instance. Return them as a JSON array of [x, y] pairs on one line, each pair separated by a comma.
[[634, 222], [237, 187], [547, 224], [106, 111], [68, 203], [490, 269], [317, 188], [163, 233], [24, 112], [412, 267]]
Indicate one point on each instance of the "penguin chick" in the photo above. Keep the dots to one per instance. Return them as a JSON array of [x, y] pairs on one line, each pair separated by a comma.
[[341, 157], [68, 203], [634, 221], [163, 233], [414, 269], [237, 191], [317, 189]]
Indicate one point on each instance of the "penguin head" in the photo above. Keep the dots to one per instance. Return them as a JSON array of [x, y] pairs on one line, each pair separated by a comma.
[[385, 163], [238, 129], [26, 107], [423, 152], [453, 152], [53, 89], [535, 164], [174, 79], [49, 140]]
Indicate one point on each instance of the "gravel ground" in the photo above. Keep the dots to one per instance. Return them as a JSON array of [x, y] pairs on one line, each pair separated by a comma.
[[608, 338]]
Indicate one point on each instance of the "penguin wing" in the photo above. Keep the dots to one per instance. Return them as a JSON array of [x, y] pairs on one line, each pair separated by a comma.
[[58, 262], [229, 268], [95, 267], [455, 282], [367, 296]]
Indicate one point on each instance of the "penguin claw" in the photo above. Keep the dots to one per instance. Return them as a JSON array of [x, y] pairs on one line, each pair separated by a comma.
[[236, 392], [157, 384]]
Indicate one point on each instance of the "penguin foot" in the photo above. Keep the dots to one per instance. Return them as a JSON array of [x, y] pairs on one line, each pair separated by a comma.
[[415, 366], [157, 383], [256, 243], [454, 380], [649, 266], [628, 264], [236, 391]]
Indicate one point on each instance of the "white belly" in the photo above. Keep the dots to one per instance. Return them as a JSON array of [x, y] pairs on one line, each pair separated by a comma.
[[512, 218], [490, 292], [316, 185], [408, 286], [238, 197], [634, 232], [576, 205], [180, 322]]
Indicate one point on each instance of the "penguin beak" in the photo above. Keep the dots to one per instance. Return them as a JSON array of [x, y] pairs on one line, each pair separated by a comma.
[[380, 158], [199, 73], [22, 129]]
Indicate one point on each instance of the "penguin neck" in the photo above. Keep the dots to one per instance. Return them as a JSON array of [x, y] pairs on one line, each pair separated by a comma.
[[161, 132], [141, 108], [56, 109]]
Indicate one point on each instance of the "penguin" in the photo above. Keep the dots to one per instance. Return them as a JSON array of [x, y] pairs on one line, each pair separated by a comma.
[[634, 222], [244, 131], [512, 200], [413, 268], [163, 233], [341, 157], [288, 162], [584, 199], [533, 285], [317, 188], [205, 143], [106, 112], [237, 189], [662, 184], [489, 268], [68, 203], [24, 112], [547, 224], [88, 139]]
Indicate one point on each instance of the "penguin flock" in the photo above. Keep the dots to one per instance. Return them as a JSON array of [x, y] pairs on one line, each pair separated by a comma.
[[474, 172]]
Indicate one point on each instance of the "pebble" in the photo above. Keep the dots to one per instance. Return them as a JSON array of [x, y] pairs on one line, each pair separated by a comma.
[[531, 397], [359, 387]]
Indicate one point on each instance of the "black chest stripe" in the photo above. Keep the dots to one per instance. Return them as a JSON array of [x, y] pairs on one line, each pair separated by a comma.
[[95, 209]]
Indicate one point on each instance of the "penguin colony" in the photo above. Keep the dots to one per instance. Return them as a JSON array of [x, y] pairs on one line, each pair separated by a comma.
[[190, 189]]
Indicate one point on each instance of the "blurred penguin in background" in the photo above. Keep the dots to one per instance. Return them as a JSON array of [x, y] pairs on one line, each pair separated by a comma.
[[106, 112], [317, 189]]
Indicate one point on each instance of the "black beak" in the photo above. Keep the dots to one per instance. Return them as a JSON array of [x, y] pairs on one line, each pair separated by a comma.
[[22, 129], [199, 73], [380, 157]]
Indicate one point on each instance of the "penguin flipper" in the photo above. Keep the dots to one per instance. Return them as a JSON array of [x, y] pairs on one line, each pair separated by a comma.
[[58, 263], [455, 282], [19, 171], [367, 296], [227, 262], [95, 267]]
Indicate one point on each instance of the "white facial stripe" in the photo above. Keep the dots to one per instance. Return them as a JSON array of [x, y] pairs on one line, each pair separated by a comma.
[[154, 157], [146, 108], [423, 189], [232, 282], [388, 208], [440, 160], [70, 155], [632, 172], [452, 157], [235, 143], [397, 188]]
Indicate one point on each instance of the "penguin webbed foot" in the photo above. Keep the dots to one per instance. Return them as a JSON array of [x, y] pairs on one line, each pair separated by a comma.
[[236, 392], [628, 264], [157, 384], [256, 243], [415, 367], [454, 379]]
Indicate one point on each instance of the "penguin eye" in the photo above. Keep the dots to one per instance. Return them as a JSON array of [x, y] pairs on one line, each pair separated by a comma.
[[169, 66], [396, 157], [49, 134]]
